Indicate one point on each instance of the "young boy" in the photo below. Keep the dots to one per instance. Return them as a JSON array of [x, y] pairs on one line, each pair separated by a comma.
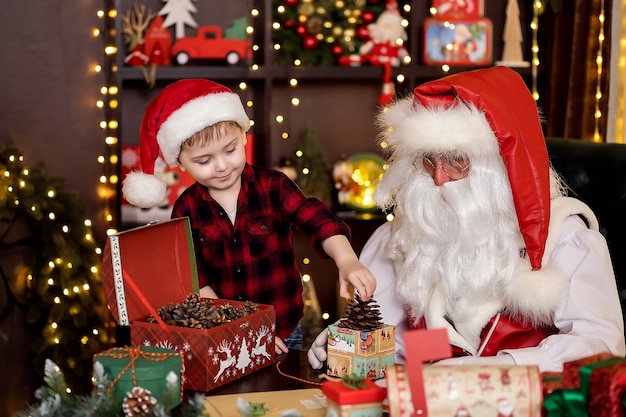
[[241, 215]]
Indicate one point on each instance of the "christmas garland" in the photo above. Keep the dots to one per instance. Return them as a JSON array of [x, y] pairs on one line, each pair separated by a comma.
[[54, 399], [317, 32]]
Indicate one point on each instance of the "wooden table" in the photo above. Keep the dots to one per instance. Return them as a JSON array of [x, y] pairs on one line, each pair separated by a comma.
[[291, 371], [266, 386]]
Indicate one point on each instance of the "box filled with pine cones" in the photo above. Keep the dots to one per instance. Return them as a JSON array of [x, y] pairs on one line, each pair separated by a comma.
[[150, 280], [360, 343]]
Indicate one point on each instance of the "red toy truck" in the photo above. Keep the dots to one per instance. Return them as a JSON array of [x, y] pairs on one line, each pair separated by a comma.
[[209, 43]]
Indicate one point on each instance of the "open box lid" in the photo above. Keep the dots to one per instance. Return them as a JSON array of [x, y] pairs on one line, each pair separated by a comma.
[[158, 259]]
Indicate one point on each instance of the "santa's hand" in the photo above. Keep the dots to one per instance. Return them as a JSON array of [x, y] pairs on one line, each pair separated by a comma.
[[477, 360], [317, 352]]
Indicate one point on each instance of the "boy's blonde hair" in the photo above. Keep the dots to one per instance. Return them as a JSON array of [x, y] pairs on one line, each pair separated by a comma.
[[210, 133]]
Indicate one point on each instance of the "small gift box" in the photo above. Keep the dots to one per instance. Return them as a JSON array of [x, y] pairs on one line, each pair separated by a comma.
[[593, 386], [145, 367], [353, 397], [571, 369], [359, 343]]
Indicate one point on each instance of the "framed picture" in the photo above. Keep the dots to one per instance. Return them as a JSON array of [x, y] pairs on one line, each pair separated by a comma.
[[457, 42], [458, 9]]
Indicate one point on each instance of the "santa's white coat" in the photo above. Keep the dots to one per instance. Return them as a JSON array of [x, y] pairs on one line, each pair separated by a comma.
[[589, 315]]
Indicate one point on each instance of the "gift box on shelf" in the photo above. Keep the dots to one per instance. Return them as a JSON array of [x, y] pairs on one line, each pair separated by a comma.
[[152, 266], [353, 397], [359, 343], [146, 367]]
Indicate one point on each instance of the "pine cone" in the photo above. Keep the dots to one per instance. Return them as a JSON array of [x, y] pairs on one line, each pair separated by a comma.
[[361, 315], [139, 403]]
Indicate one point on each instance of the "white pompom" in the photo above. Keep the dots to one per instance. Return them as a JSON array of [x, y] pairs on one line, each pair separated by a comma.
[[143, 190]]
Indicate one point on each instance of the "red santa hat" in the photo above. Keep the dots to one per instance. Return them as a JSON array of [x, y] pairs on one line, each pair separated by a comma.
[[473, 112], [181, 109]]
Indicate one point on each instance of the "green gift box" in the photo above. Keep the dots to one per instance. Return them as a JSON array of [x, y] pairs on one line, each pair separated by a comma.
[[147, 367]]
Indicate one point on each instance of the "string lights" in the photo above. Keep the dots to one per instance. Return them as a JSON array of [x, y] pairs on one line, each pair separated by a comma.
[[599, 64], [534, 63], [107, 187], [61, 266]]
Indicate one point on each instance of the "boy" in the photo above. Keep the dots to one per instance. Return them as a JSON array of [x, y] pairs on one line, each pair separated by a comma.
[[241, 216]]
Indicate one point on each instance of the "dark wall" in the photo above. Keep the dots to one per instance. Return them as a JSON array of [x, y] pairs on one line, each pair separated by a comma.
[[48, 94], [49, 89]]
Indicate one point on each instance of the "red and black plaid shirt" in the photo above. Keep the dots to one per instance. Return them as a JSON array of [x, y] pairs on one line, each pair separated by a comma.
[[254, 258]]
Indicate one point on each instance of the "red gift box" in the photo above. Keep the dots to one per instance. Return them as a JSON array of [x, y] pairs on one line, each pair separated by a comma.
[[593, 386], [151, 266], [343, 394], [571, 369], [349, 401], [608, 386]]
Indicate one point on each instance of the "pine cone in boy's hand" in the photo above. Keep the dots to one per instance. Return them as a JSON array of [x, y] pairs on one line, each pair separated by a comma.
[[361, 315]]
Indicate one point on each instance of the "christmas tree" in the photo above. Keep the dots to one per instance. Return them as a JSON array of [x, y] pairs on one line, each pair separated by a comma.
[[60, 267], [313, 168], [317, 32]]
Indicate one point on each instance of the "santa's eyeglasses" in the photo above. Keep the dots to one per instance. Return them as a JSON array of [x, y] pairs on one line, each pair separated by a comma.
[[454, 168]]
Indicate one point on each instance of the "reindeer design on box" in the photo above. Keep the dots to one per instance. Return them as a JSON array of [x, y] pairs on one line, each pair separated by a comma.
[[259, 349], [225, 347]]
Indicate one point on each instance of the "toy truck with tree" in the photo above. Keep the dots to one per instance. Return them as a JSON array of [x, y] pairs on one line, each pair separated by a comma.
[[211, 44]]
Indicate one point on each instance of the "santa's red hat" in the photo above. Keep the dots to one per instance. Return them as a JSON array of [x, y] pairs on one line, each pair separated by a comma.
[[473, 112], [181, 109]]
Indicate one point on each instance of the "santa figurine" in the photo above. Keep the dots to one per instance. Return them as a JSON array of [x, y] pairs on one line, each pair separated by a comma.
[[386, 41], [485, 243]]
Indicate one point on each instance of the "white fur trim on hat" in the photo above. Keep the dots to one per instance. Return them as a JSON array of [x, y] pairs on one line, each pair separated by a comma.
[[416, 129], [196, 115], [143, 190]]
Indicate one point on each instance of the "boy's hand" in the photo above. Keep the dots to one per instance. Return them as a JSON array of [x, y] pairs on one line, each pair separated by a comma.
[[207, 292], [351, 270], [280, 346], [359, 276]]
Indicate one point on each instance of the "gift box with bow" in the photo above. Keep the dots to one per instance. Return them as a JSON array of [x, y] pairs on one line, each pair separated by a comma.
[[146, 367], [592, 386]]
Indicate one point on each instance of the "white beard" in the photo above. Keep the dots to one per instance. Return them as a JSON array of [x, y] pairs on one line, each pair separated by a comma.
[[462, 237]]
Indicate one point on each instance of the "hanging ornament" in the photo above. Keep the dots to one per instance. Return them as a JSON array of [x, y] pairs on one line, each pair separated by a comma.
[[337, 50], [310, 42], [291, 3], [363, 33], [368, 17]]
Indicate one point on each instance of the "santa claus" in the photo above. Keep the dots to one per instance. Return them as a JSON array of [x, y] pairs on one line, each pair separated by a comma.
[[484, 242]]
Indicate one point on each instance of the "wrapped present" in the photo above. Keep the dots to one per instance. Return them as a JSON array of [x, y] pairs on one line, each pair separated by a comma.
[[152, 266], [353, 397], [362, 353], [469, 390], [145, 367], [597, 391], [360, 343], [551, 381], [443, 390], [571, 369]]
